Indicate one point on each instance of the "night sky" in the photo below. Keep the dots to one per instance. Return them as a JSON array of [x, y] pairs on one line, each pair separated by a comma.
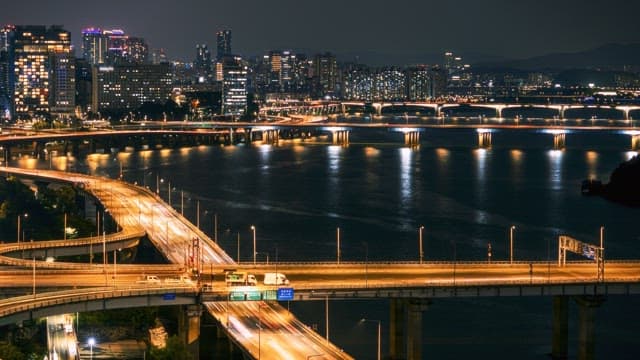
[[503, 28]]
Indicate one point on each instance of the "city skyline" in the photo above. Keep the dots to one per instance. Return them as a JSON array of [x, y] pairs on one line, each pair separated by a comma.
[[412, 30]]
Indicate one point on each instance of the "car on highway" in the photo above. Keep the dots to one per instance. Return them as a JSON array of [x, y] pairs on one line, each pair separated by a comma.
[[181, 280], [149, 280]]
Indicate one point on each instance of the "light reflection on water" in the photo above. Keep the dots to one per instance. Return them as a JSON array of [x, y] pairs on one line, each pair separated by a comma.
[[376, 194]]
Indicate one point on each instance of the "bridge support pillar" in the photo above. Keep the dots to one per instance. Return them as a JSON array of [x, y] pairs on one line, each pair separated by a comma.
[[231, 136], [271, 136], [560, 328], [484, 139], [340, 137], [412, 138], [635, 142], [189, 328], [559, 141], [405, 328], [586, 319]]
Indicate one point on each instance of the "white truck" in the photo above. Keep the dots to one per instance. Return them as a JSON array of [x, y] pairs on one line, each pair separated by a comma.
[[275, 279], [238, 278]]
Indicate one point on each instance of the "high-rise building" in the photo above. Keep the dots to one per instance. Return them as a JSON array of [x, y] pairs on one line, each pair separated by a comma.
[[202, 64], [325, 75], [223, 40], [129, 86], [234, 86], [137, 50], [44, 69], [6, 71], [158, 56], [113, 47], [418, 83], [94, 46], [357, 82]]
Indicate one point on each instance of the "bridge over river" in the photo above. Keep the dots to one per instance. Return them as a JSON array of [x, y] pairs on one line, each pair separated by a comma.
[[259, 326]]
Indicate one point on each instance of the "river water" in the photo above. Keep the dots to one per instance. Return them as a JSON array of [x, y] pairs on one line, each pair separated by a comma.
[[380, 192]]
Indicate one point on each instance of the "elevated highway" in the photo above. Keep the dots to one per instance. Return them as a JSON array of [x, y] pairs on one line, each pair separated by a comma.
[[106, 286], [181, 242]]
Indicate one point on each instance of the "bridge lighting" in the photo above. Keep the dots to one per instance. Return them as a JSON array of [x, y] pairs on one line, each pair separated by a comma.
[[631, 132], [484, 131], [555, 131], [334, 128], [407, 130]]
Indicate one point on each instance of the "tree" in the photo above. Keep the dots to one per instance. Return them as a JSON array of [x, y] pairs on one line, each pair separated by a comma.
[[10, 352], [175, 350]]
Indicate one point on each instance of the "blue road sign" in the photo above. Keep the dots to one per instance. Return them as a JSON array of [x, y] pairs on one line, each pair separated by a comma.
[[285, 294], [169, 296]]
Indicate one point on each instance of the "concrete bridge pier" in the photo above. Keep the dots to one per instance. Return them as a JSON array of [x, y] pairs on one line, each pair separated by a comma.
[[484, 139], [405, 328], [340, 137], [586, 319], [412, 138], [635, 142], [560, 328], [271, 136], [189, 328], [559, 141]]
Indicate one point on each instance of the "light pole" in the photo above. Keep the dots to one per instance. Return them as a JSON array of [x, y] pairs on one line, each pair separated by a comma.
[[253, 228], [34, 272], [366, 264], [379, 332], [513, 227], [420, 238], [338, 245], [25, 218], [92, 341], [238, 247]]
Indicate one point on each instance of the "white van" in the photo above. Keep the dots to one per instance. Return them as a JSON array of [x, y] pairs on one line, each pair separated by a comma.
[[149, 279], [275, 279]]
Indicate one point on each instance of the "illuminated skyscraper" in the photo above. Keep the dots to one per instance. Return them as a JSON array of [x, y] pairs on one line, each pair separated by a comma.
[[325, 75], [223, 39], [44, 70], [202, 64], [234, 86], [94, 46], [6, 72], [137, 50]]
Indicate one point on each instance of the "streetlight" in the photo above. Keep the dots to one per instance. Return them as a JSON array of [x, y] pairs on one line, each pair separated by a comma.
[[92, 341], [25, 218], [338, 244], [253, 228], [420, 237], [513, 227], [366, 264], [379, 332]]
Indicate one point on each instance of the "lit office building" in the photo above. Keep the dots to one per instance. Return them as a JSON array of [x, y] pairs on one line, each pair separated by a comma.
[[234, 86], [6, 72], [44, 70], [129, 86]]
